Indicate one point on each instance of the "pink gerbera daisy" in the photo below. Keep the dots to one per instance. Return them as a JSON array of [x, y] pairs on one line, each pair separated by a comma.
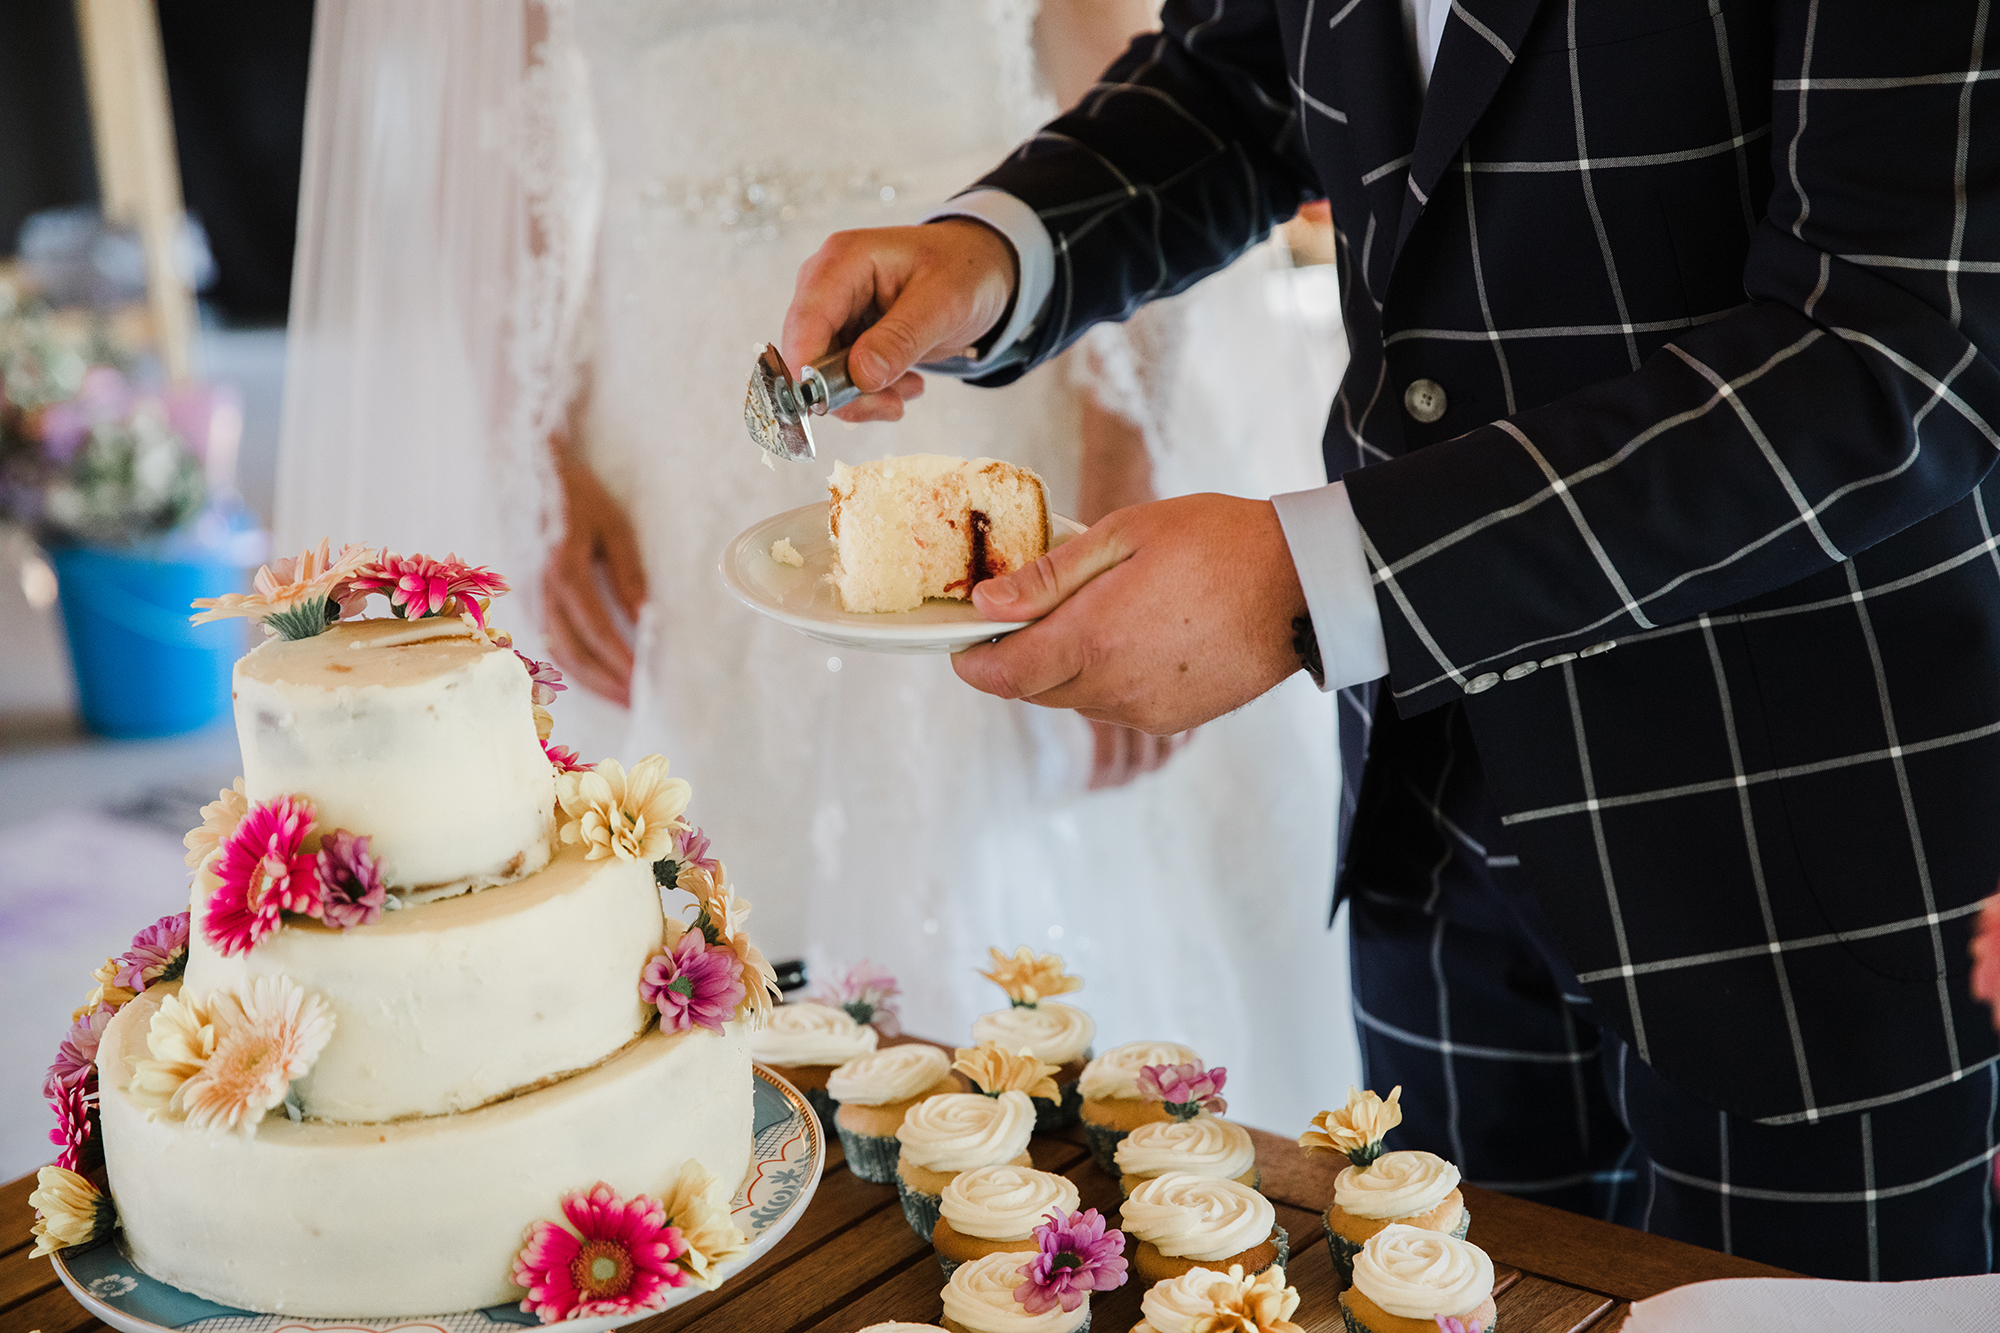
[[564, 759], [418, 586], [158, 953], [693, 984], [1075, 1255], [263, 870], [74, 1108], [76, 1058], [619, 1260]]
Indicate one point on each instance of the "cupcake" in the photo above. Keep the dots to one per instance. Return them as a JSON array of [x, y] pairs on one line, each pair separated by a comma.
[[1047, 1291], [995, 1209], [1377, 1188], [1191, 1139], [874, 1092], [1112, 1103], [805, 1042], [1409, 1280], [1183, 1222], [1202, 1297], [1057, 1033], [959, 1131]]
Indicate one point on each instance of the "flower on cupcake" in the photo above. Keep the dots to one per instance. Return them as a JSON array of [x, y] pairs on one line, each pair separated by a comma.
[[219, 819], [868, 994], [616, 1257], [419, 587], [299, 596], [1261, 1303], [693, 984], [1185, 1090], [1075, 1254], [1450, 1324], [222, 1061], [1357, 1129], [69, 1212], [630, 815], [993, 1070], [1029, 977], [158, 953], [261, 871], [697, 1206]]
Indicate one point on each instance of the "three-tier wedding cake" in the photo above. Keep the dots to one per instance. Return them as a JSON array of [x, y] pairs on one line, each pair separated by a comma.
[[432, 1005]]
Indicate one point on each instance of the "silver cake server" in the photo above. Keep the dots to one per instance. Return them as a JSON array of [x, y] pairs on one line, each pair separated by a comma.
[[778, 409]]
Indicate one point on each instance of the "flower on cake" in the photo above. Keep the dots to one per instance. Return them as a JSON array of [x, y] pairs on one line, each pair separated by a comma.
[[691, 852], [1255, 1304], [620, 1259], [219, 819], [994, 1071], [1074, 1255], [1029, 977], [1186, 1090], [76, 1058], [697, 1206], [298, 596], [350, 880], [262, 871], [1452, 1324], [69, 1211], [563, 759], [179, 1041], [107, 993], [1357, 1129], [693, 984], [75, 1107], [158, 953], [868, 994], [720, 916], [418, 586], [268, 1032], [631, 815]]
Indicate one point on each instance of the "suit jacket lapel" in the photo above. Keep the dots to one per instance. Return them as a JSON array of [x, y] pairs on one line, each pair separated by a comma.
[[1378, 88], [1478, 49]]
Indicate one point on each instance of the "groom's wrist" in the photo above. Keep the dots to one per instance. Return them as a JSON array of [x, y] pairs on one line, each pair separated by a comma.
[[1034, 276]]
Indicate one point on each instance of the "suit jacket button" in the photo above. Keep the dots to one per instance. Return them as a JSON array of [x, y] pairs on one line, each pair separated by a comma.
[[1481, 684], [1597, 648], [1521, 669], [1425, 400], [1559, 659]]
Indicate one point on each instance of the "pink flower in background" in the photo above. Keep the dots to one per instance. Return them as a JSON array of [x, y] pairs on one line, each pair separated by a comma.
[[868, 994], [73, 1107], [1986, 956], [565, 759], [351, 890], [1448, 1324], [418, 586], [158, 952], [546, 676], [693, 985], [619, 1260], [691, 850], [1076, 1256], [76, 1058], [1186, 1089], [105, 396], [263, 871]]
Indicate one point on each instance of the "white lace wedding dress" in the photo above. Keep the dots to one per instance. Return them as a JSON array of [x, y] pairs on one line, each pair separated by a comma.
[[683, 156]]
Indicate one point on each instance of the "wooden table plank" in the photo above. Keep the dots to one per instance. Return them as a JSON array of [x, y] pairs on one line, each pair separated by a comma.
[[17, 1219], [52, 1312], [1549, 1307], [23, 1280]]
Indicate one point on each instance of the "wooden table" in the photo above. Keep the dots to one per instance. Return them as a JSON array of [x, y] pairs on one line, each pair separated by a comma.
[[852, 1261]]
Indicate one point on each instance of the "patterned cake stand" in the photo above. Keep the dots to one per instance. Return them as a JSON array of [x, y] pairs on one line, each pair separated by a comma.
[[785, 1161]]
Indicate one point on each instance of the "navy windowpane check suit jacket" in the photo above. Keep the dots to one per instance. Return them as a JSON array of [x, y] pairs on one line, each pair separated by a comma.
[[1712, 289]]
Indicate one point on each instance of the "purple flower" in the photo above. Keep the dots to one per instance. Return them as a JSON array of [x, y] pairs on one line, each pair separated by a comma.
[[867, 993], [1076, 1256], [691, 850], [1186, 1089], [546, 676], [74, 1108], [693, 985], [1449, 1324], [351, 881], [76, 1058], [158, 953]]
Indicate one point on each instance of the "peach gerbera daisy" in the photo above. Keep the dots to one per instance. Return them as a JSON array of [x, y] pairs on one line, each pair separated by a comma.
[[268, 1033], [994, 1071], [1029, 977], [1259, 1304], [1357, 1129], [219, 819], [298, 596], [630, 815], [721, 919]]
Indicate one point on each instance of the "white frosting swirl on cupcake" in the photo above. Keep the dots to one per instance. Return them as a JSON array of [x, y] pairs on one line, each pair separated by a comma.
[[1005, 1202], [1173, 1306], [1203, 1146], [1396, 1184], [980, 1297], [1419, 1274], [1115, 1073], [897, 1074], [1198, 1217], [1058, 1033], [810, 1034], [957, 1131]]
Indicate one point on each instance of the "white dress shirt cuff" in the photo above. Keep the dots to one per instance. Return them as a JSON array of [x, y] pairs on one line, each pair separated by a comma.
[[1034, 252], [1325, 538]]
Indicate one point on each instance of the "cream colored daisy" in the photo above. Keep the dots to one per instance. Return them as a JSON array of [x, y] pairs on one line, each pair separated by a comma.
[[106, 991], [698, 1205], [994, 1071], [179, 1040], [69, 1210], [1029, 977], [219, 819], [268, 1033], [631, 815], [1260, 1304], [1356, 1130]]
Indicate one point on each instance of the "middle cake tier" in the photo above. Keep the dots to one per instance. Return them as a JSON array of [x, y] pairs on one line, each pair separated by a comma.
[[460, 1002]]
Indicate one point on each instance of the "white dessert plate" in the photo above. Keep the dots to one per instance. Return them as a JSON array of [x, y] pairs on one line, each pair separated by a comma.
[[787, 1155], [800, 596]]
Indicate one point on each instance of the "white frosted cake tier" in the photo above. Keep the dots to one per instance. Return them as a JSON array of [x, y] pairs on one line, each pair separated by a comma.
[[447, 1006], [412, 733], [376, 1221]]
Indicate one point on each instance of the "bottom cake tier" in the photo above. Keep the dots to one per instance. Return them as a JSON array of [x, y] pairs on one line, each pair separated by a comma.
[[412, 1216]]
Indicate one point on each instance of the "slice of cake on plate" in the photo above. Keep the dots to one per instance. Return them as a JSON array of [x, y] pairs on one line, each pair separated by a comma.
[[905, 529]]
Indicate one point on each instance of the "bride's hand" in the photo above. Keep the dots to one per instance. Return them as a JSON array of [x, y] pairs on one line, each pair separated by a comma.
[[1121, 754], [937, 289], [582, 636]]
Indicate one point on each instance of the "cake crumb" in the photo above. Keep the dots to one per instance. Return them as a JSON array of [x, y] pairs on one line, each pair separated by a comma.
[[783, 552]]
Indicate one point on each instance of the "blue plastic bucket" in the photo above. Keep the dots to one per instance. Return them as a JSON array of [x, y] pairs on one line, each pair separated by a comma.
[[141, 668]]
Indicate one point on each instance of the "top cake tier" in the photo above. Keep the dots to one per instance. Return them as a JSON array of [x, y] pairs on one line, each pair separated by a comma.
[[416, 734]]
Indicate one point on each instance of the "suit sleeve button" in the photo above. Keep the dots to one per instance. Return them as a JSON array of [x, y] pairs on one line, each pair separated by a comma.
[[1597, 648], [1521, 669], [1481, 684]]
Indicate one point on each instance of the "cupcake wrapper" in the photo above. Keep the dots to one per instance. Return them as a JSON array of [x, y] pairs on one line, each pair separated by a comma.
[[1284, 1259], [947, 1266], [1356, 1326], [823, 1103], [873, 1157], [1104, 1142], [1344, 1250], [920, 1210], [1054, 1117]]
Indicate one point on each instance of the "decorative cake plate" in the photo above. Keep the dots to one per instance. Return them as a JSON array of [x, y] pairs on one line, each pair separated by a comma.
[[801, 596], [785, 1161]]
